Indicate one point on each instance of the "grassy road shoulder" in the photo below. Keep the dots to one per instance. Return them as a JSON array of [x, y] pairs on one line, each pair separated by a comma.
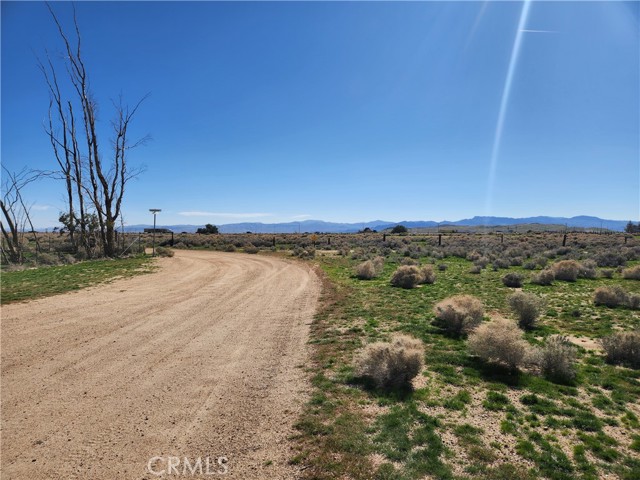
[[46, 281], [464, 419]]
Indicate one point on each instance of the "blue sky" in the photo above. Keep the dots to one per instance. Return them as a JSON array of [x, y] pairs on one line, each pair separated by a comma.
[[346, 111]]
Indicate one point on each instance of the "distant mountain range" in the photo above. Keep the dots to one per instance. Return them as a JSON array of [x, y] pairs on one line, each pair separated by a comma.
[[582, 221]]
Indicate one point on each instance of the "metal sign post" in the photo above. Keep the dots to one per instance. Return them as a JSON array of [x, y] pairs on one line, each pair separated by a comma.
[[154, 211]]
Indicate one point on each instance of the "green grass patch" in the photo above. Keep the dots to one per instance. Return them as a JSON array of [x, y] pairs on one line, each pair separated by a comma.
[[47, 281], [406, 430]]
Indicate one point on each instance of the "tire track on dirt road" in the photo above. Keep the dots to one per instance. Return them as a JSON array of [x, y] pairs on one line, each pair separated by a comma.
[[199, 359]]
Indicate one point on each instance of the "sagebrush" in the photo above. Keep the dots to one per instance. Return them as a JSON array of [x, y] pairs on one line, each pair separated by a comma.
[[622, 348], [499, 341], [527, 307], [391, 365], [459, 314], [557, 359]]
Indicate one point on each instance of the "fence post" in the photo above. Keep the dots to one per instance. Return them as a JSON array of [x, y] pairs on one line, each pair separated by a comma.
[[564, 240], [439, 239]]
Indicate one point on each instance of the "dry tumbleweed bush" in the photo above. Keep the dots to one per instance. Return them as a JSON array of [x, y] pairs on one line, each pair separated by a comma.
[[459, 314], [527, 308], [393, 364], [499, 341], [622, 348], [406, 276], [557, 359]]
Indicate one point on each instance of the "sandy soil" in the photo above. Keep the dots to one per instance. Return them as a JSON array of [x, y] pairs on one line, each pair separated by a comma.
[[200, 359]]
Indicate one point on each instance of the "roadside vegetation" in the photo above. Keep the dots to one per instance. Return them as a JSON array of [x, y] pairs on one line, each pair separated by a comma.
[[543, 386], [464, 356], [46, 281]]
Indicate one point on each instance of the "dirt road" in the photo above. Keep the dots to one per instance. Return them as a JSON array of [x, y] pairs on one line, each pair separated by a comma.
[[201, 359]]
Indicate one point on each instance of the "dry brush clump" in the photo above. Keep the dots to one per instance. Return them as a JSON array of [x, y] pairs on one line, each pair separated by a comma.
[[588, 269], [544, 277], [631, 273], [250, 248], [616, 296], [475, 269], [428, 274], [378, 264], [527, 308], [164, 252], [606, 273], [406, 276], [566, 270], [459, 314], [513, 280], [499, 341], [622, 348], [366, 270], [557, 359], [391, 365]]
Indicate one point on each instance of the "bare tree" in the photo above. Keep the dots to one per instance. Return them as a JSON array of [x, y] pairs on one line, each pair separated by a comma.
[[100, 180], [65, 146], [15, 214]]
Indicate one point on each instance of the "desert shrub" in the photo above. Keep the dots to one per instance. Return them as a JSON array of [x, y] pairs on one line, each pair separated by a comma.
[[622, 348], [499, 341], [566, 270], [557, 359], [304, 253], [229, 248], [68, 259], [428, 275], [500, 263], [406, 276], [516, 261], [164, 252], [544, 277], [366, 270], [475, 269], [409, 261], [45, 258], [513, 280], [633, 301], [481, 262], [537, 262], [527, 307], [251, 248], [610, 259], [587, 269], [378, 264], [473, 256], [632, 273], [612, 297], [606, 273], [391, 365], [459, 314]]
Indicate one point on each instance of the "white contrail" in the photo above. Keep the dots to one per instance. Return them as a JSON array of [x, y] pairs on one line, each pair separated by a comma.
[[506, 92], [528, 30]]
